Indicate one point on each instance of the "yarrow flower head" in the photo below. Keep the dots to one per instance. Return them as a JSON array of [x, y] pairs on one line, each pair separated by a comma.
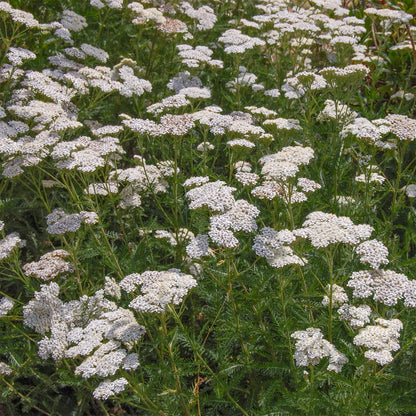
[[339, 296], [272, 245], [380, 339], [49, 266], [323, 229], [373, 252], [311, 348], [158, 289], [216, 196]]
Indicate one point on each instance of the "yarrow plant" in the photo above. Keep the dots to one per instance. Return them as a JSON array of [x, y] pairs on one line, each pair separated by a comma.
[[207, 208]]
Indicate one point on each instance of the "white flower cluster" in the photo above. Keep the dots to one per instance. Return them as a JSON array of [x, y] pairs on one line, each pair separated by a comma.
[[240, 217], [103, 189], [284, 124], [394, 16], [323, 229], [121, 79], [311, 348], [298, 85], [158, 289], [174, 125], [26, 151], [109, 388], [198, 247], [237, 43], [55, 116], [356, 316], [198, 56], [91, 327], [370, 177], [339, 296], [175, 26], [381, 340], [244, 79], [169, 103], [17, 56], [40, 83], [86, 155], [286, 163], [216, 196], [5, 305], [8, 244], [140, 179], [142, 15], [336, 111], [386, 286], [402, 126], [349, 75], [373, 252], [49, 266], [5, 369], [174, 238], [184, 80], [60, 223], [111, 4], [73, 21], [260, 111], [19, 16], [366, 130], [272, 245], [205, 15]]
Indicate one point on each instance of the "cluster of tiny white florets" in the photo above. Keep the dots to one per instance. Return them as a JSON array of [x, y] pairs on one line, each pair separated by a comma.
[[49, 266], [109, 388], [272, 245], [323, 229], [370, 176], [237, 43], [111, 4], [240, 217], [286, 163], [381, 340], [336, 111], [19, 16], [366, 130], [85, 154], [5, 369], [73, 21], [386, 286], [356, 316], [91, 327], [60, 223], [8, 244], [17, 56], [244, 79], [216, 196], [159, 289], [198, 247], [338, 295], [174, 125], [298, 85], [144, 15], [181, 236], [205, 15], [394, 16], [349, 75], [5, 305], [402, 126], [198, 56], [311, 348], [373, 252], [141, 178]]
